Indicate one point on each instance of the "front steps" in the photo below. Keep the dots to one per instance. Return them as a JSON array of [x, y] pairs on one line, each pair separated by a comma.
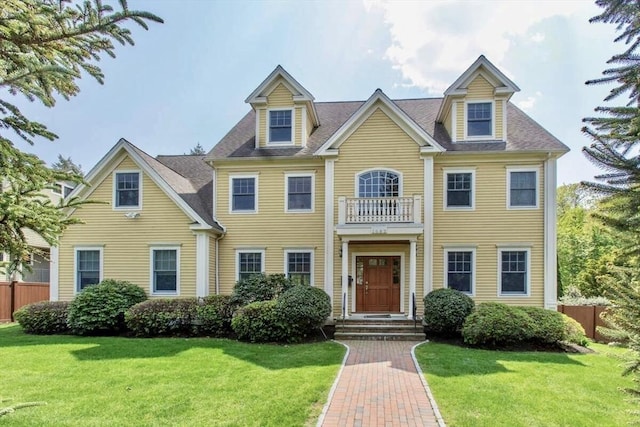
[[381, 329]]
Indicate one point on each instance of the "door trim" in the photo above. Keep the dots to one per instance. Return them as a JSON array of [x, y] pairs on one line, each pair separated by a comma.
[[353, 274]]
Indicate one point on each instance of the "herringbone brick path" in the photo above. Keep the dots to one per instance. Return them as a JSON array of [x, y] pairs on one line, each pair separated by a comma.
[[379, 386]]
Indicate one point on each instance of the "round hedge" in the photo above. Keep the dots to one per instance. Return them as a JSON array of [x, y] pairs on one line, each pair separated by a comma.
[[494, 325], [259, 322], [162, 317], [573, 331], [260, 287], [44, 318], [548, 326], [213, 316], [303, 309], [99, 309], [445, 311]]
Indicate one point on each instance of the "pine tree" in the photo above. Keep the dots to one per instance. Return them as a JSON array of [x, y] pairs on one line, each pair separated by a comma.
[[197, 150], [45, 47], [67, 165]]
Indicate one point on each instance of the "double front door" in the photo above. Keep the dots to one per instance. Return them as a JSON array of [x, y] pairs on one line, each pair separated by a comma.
[[378, 284]]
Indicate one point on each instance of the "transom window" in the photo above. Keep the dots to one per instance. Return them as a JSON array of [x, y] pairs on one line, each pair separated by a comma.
[[249, 264], [88, 268], [164, 263], [460, 270], [280, 126], [243, 194], [127, 189], [379, 183], [299, 267], [522, 189], [479, 119], [513, 272], [299, 193], [459, 190]]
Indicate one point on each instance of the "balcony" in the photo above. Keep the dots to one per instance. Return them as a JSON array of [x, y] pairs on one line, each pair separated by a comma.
[[379, 210]]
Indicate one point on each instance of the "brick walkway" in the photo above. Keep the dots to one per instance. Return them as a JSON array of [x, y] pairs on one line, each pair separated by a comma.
[[379, 386]]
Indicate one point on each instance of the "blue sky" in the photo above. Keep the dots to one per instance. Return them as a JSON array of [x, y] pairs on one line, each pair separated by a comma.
[[185, 81]]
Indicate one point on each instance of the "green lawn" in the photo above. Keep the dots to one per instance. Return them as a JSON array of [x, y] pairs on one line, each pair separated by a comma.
[[120, 381], [497, 388]]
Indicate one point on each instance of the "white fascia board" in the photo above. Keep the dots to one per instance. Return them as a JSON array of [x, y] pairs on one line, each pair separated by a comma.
[[293, 84], [463, 80]]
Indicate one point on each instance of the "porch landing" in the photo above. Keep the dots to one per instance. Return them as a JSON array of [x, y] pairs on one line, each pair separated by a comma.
[[379, 327]]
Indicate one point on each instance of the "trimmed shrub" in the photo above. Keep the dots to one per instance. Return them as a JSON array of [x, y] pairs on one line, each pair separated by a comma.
[[99, 309], [303, 309], [162, 317], [573, 331], [493, 324], [44, 318], [259, 322], [445, 311], [548, 326], [260, 287], [213, 316]]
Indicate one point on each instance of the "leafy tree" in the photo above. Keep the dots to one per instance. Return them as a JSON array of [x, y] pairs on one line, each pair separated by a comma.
[[67, 165], [45, 47], [197, 150]]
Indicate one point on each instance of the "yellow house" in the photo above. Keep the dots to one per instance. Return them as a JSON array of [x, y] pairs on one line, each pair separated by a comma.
[[378, 202]]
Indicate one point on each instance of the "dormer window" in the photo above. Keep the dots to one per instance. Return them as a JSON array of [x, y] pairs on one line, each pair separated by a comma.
[[280, 126], [479, 119]]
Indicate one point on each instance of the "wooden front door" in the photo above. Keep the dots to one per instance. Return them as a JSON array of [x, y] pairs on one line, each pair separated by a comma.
[[378, 284]]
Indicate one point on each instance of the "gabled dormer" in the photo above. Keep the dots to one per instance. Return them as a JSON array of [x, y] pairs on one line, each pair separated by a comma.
[[285, 112], [474, 108]]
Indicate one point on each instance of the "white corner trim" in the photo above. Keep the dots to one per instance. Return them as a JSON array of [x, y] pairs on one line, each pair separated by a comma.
[[151, 269], [303, 125], [454, 121], [214, 191], [550, 235], [328, 226], [428, 225], [202, 264], [504, 120], [114, 191], [54, 279], [256, 140]]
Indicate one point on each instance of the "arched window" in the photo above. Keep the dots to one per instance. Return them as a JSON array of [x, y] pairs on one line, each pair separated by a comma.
[[379, 183]]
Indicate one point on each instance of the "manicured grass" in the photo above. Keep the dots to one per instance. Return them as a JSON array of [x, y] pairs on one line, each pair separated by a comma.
[[110, 381], [496, 388]]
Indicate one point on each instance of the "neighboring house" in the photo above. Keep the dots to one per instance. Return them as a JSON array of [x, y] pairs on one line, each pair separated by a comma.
[[377, 202]]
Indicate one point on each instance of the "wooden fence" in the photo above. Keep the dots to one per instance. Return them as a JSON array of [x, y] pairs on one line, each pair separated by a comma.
[[25, 293], [588, 317]]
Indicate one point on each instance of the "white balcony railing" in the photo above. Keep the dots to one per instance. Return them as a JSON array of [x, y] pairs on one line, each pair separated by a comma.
[[365, 210]]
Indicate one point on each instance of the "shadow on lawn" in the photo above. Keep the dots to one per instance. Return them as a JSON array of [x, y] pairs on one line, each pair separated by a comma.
[[109, 348], [448, 360]]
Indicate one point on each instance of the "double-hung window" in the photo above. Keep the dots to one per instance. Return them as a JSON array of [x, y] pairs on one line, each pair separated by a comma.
[[459, 264], [88, 267], [459, 189], [299, 189], [299, 266], [280, 126], [522, 188], [514, 271], [479, 119], [127, 188], [165, 270], [244, 194], [249, 263]]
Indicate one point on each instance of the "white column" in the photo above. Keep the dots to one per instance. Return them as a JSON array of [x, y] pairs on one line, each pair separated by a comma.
[[54, 274], [328, 227], [550, 250], [428, 225], [412, 275], [202, 264], [345, 277]]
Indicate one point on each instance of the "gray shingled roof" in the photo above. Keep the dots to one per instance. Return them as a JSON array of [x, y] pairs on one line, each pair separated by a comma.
[[523, 133]]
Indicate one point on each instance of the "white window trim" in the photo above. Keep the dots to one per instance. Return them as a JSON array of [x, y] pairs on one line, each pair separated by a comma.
[[75, 264], [240, 176], [57, 185], [300, 250], [493, 120], [447, 171], [471, 249], [293, 128], [508, 248], [151, 284], [288, 175], [356, 187], [523, 169], [251, 251], [115, 193]]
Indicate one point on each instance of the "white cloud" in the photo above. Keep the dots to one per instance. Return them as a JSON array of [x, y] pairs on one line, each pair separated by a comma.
[[434, 41], [530, 102]]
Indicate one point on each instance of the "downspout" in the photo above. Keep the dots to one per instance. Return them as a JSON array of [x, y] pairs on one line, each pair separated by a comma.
[[218, 265]]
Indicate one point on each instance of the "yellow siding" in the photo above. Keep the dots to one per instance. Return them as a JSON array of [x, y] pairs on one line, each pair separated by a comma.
[[271, 228], [447, 122], [479, 89], [262, 129], [460, 120], [280, 97], [378, 143], [499, 119], [126, 241], [297, 126], [489, 225]]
